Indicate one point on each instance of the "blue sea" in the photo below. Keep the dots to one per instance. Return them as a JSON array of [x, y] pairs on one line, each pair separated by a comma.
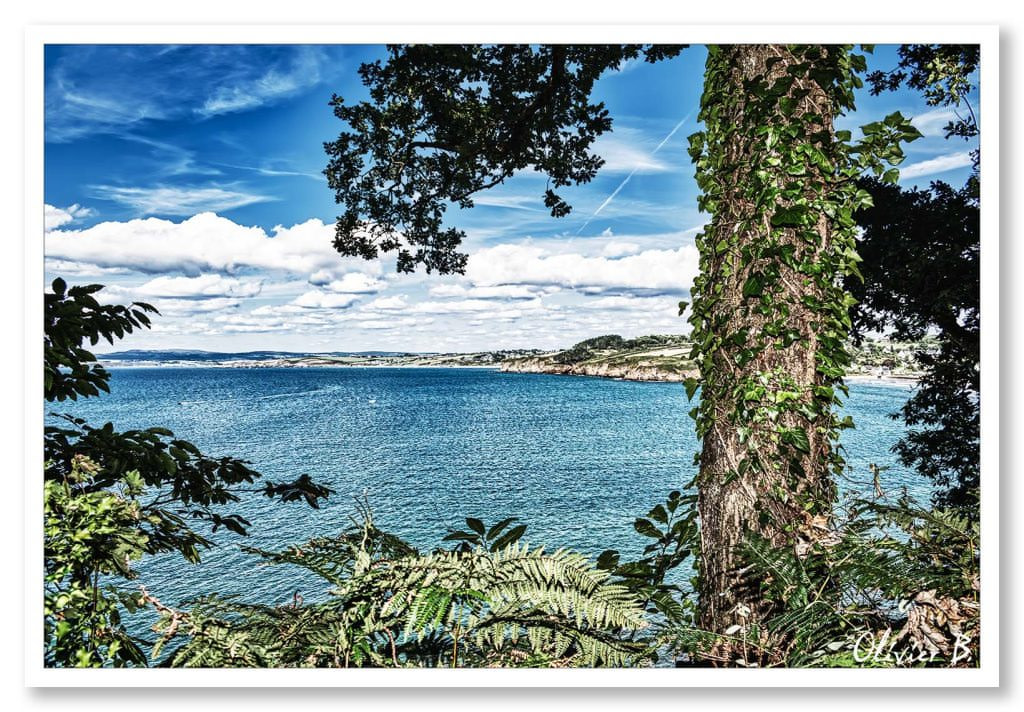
[[576, 459]]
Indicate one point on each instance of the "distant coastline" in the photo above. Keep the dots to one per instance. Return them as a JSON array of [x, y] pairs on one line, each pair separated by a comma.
[[657, 358]]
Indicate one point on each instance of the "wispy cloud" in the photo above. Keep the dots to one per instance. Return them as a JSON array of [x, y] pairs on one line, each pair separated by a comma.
[[115, 88], [172, 160], [174, 200], [931, 123], [301, 71], [629, 151], [276, 172], [531, 203], [636, 168], [933, 166]]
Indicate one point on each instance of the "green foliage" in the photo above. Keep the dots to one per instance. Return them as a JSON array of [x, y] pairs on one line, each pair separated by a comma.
[[922, 275], [891, 585], [584, 350], [944, 74], [492, 539], [392, 606], [673, 528], [71, 316], [111, 497], [87, 535], [446, 121]]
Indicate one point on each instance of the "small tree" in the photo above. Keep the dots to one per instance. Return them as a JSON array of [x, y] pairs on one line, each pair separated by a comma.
[[111, 497]]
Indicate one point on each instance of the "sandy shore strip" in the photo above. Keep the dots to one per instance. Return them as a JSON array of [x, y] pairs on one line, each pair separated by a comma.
[[904, 381]]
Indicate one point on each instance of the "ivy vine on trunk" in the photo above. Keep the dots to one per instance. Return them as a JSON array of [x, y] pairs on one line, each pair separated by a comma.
[[770, 314]]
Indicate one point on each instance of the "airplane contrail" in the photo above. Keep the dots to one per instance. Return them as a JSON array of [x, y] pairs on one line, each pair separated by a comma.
[[622, 185]]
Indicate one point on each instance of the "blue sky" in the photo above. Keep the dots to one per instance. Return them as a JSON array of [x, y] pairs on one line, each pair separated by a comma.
[[190, 177]]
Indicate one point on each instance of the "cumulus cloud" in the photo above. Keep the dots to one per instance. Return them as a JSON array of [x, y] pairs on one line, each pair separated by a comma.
[[354, 283], [394, 303], [204, 243], [174, 200], [941, 164], [325, 300], [647, 305], [54, 217], [662, 270], [392, 323], [206, 285], [620, 249]]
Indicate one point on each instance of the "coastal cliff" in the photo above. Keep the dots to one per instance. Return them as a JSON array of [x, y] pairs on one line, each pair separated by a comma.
[[626, 372]]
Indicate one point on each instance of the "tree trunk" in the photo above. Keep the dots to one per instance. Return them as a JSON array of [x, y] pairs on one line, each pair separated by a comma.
[[756, 327]]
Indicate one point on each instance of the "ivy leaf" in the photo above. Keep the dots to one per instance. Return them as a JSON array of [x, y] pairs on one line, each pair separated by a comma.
[[754, 286], [789, 217], [691, 385], [796, 437]]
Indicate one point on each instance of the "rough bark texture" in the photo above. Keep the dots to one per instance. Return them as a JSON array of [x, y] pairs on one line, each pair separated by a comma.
[[770, 497]]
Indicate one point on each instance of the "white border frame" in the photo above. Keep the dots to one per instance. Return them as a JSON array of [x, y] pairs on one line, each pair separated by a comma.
[[38, 36]]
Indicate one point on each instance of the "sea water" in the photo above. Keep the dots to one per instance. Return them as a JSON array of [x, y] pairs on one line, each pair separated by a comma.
[[575, 459]]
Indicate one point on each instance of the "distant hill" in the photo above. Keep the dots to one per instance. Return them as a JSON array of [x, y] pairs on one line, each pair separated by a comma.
[[667, 358], [645, 358], [656, 357], [218, 356]]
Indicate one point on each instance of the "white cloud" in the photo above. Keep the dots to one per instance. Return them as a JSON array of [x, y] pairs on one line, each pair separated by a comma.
[[325, 300], [486, 308], [176, 200], [204, 243], [607, 232], [66, 268], [354, 283], [940, 164], [505, 291], [112, 88], [54, 217], [626, 151], [188, 307], [206, 285], [628, 65], [620, 249], [667, 270], [275, 83], [931, 123], [395, 303], [531, 203], [646, 305]]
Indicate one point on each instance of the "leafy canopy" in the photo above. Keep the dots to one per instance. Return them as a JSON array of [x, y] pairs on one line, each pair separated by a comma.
[[446, 121]]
